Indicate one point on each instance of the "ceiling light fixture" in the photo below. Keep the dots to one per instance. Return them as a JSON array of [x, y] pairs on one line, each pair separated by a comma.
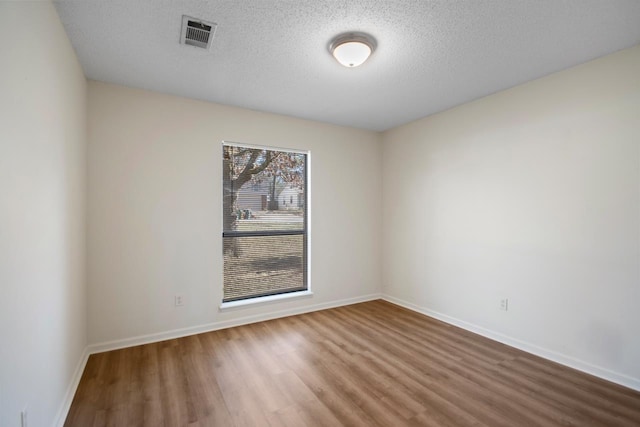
[[352, 49]]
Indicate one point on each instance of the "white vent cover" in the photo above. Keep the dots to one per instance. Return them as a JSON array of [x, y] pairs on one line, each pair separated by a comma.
[[196, 32]]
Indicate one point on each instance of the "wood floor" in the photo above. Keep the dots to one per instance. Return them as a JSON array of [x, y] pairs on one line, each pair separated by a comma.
[[369, 364]]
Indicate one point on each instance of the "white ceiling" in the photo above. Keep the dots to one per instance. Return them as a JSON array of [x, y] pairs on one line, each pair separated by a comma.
[[271, 55]]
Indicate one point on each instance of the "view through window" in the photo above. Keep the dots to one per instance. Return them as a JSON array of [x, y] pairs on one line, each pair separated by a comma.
[[264, 221]]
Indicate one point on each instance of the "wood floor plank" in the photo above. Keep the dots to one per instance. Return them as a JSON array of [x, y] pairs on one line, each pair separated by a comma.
[[369, 364]]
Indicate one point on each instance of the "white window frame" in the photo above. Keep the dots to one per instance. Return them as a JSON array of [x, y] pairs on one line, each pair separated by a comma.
[[306, 293]]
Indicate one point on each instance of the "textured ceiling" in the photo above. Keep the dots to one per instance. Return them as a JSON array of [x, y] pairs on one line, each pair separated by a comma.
[[272, 55]]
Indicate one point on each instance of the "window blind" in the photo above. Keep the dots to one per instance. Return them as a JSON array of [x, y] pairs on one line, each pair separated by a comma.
[[265, 222]]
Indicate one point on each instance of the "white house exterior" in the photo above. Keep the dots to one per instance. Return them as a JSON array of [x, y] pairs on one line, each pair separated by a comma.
[[256, 197]]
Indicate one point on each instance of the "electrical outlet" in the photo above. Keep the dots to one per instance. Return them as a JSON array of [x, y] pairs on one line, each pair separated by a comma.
[[504, 304], [179, 301], [23, 417]]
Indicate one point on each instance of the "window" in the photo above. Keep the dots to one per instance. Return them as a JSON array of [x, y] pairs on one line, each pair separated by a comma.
[[264, 221]]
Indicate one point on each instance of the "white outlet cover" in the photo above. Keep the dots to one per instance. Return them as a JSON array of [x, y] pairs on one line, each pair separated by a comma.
[[179, 300]]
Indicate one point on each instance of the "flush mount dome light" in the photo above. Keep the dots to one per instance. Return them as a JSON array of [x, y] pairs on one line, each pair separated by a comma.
[[352, 49]]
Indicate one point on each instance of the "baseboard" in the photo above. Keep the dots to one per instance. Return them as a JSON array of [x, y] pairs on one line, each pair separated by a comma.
[[621, 379], [193, 330], [71, 389], [597, 371]]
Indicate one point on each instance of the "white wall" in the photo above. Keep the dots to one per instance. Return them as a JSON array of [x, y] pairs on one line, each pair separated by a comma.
[[531, 194], [155, 206], [42, 165]]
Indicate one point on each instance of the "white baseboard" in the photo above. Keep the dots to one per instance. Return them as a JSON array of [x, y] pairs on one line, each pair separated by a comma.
[[71, 389], [178, 333], [571, 362], [192, 330], [597, 371]]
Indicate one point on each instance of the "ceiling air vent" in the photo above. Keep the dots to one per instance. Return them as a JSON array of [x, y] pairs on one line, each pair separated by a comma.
[[196, 32]]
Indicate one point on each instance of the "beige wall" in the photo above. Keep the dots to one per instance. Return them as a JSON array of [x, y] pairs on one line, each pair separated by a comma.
[[532, 194], [42, 229], [155, 206]]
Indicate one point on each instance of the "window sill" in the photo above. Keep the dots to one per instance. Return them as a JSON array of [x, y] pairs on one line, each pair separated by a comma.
[[267, 299]]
